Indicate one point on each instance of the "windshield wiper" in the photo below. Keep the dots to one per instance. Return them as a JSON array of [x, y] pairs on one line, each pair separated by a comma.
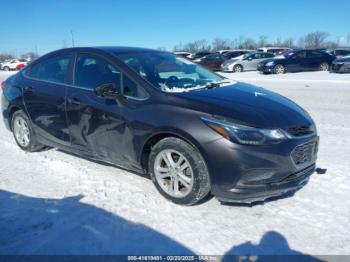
[[212, 85]]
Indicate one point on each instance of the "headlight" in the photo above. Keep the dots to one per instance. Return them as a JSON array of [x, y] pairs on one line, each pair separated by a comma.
[[271, 63], [244, 134]]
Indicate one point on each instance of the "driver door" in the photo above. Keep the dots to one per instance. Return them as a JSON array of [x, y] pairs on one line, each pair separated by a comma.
[[96, 125]]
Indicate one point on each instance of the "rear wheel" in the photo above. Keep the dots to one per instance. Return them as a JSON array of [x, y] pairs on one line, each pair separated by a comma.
[[238, 68], [324, 67], [23, 132], [279, 69], [6, 68], [178, 171]]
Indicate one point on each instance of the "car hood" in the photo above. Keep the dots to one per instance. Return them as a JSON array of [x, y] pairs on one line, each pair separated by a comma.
[[246, 104], [342, 60]]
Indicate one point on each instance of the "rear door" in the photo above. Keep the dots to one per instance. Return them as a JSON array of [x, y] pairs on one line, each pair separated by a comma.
[[298, 62], [314, 60], [44, 89]]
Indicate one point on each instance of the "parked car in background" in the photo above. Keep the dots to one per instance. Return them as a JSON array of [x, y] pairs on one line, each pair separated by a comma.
[[246, 62], [297, 61], [235, 53], [282, 52], [223, 51], [210, 134], [12, 64], [20, 66], [212, 61], [199, 55], [339, 52], [273, 50], [182, 54], [341, 65]]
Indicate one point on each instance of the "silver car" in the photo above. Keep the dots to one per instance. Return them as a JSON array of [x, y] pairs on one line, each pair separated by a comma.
[[245, 62]]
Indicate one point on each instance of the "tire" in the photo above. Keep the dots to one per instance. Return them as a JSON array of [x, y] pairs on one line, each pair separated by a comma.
[[6, 68], [237, 69], [23, 132], [323, 67], [192, 183], [279, 69]]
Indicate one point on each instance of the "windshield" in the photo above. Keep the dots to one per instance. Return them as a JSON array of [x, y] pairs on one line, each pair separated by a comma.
[[288, 54], [241, 57], [169, 72]]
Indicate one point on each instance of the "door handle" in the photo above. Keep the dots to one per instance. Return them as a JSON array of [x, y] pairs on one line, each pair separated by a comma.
[[28, 88], [74, 101]]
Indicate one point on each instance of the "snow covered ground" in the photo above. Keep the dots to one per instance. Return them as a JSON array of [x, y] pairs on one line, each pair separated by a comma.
[[53, 202]]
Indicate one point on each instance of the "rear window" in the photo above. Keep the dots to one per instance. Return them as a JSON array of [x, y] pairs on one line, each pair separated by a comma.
[[53, 69]]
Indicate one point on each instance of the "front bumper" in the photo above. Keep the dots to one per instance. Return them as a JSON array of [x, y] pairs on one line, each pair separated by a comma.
[[340, 68], [247, 174], [265, 69], [226, 68], [250, 194]]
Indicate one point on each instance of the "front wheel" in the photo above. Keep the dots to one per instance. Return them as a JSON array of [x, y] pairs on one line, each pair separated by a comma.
[[324, 67], [23, 132], [178, 171], [6, 68], [279, 69], [237, 69]]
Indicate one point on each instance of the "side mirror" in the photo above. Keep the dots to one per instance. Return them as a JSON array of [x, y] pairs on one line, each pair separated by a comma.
[[108, 91]]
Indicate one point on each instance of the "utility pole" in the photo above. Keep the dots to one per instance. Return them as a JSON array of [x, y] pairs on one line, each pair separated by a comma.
[[72, 34]]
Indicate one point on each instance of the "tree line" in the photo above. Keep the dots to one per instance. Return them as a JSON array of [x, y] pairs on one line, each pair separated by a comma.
[[28, 55], [318, 39]]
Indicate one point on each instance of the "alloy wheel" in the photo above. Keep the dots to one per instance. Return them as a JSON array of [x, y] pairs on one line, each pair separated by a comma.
[[238, 69], [173, 173], [279, 69], [21, 131], [324, 67]]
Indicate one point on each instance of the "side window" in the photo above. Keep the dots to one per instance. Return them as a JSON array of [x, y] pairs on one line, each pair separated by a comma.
[[54, 69], [257, 56], [33, 71], [93, 71], [301, 55], [314, 54], [131, 89]]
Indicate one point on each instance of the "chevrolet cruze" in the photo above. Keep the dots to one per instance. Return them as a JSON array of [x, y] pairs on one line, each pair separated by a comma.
[[148, 111]]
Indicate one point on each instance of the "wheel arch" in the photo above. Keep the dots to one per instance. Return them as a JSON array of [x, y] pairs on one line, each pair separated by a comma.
[[156, 137], [238, 64], [12, 110]]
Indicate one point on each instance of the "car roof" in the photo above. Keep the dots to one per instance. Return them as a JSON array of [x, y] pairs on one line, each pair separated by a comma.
[[108, 49]]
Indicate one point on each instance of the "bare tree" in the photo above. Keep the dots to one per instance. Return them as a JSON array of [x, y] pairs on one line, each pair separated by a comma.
[[6, 56], [197, 46], [30, 55], [289, 42], [315, 39], [331, 44], [178, 48], [220, 44], [248, 43], [263, 41]]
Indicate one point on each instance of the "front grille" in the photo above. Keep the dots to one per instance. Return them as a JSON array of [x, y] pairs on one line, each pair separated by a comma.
[[301, 130], [305, 153], [305, 172]]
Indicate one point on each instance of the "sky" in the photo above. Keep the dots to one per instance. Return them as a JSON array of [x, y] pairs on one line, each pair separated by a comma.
[[46, 25]]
